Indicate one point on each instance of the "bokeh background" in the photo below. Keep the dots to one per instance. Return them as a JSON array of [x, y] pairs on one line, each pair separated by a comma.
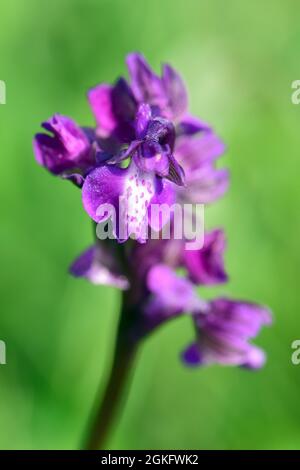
[[238, 60]]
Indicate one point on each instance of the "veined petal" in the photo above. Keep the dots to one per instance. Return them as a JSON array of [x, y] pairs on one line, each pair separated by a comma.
[[145, 84], [176, 173], [175, 91]]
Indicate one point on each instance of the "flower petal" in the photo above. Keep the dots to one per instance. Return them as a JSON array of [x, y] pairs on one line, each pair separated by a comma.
[[101, 194], [66, 147], [175, 91], [205, 185], [142, 120], [190, 125], [152, 158], [224, 331], [76, 178], [102, 186], [194, 152], [172, 294], [206, 266], [176, 173], [114, 109], [99, 266], [162, 131], [100, 100], [145, 84], [164, 197], [255, 359]]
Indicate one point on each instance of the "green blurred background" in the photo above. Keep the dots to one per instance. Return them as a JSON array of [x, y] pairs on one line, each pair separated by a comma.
[[238, 59]]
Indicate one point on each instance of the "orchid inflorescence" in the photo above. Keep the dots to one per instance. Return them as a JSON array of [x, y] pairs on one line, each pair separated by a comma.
[[147, 148]]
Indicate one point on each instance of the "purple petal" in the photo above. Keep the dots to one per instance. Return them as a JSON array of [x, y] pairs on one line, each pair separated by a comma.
[[146, 85], [255, 359], [225, 329], [173, 294], [142, 120], [162, 131], [176, 173], [114, 109], [244, 319], [191, 125], [65, 148], [151, 158], [206, 266], [98, 266], [76, 178], [175, 91], [102, 186], [105, 185], [100, 99], [123, 102], [163, 199], [205, 185], [194, 152]]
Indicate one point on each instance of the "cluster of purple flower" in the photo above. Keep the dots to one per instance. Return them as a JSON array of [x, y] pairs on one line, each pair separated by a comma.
[[147, 147]]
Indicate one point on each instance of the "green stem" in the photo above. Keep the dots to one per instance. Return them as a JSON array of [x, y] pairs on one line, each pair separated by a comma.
[[123, 358]]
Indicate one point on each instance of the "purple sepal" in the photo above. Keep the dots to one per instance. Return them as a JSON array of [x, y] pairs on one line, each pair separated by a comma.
[[146, 85], [114, 109], [206, 266], [166, 95]]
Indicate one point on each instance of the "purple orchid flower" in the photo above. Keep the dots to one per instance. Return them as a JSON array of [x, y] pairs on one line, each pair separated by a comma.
[[115, 106], [144, 182], [224, 331], [147, 149], [65, 150]]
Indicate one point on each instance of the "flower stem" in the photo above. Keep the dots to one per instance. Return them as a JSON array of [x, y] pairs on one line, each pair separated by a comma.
[[124, 354]]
